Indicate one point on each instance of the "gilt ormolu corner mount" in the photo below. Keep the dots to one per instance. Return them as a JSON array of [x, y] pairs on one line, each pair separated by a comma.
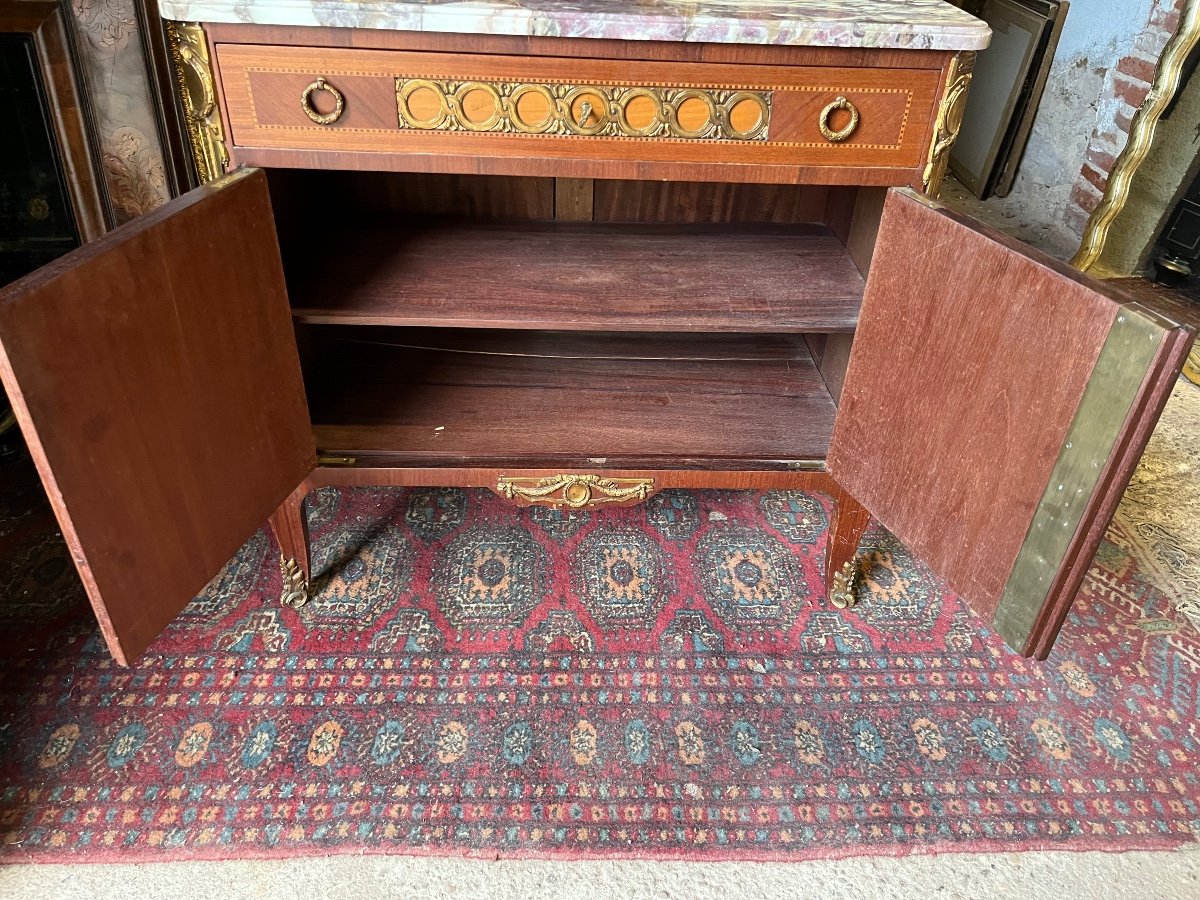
[[948, 122], [197, 95]]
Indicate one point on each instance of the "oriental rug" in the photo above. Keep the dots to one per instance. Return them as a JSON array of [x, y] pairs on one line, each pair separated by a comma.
[[659, 681], [1160, 512]]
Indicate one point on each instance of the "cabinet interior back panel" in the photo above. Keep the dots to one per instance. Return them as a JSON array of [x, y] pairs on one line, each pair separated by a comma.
[[465, 397]]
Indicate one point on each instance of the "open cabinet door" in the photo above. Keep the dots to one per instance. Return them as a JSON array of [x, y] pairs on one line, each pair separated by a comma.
[[995, 406], [155, 376]]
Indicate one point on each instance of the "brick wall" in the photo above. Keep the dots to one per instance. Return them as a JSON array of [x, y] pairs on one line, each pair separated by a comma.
[[1125, 89]]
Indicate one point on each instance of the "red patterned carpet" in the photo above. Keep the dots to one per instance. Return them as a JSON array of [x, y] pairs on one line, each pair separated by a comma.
[[661, 681]]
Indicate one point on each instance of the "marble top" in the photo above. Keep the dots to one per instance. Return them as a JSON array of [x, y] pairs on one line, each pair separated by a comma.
[[909, 24]]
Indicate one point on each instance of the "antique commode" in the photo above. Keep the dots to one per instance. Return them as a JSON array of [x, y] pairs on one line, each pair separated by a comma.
[[577, 253]]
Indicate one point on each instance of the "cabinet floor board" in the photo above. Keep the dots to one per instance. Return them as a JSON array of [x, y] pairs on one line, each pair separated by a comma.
[[667, 278], [466, 397]]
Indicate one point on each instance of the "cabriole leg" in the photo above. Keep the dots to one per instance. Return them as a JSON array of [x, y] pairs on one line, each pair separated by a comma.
[[841, 563], [290, 526]]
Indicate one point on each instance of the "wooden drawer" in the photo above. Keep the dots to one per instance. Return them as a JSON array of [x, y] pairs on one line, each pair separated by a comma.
[[597, 116]]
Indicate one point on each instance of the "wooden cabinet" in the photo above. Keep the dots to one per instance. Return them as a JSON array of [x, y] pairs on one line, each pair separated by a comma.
[[685, 319]]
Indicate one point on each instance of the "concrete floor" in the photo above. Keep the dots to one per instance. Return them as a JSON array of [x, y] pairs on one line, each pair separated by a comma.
[[1010, 215], [1029, 876]]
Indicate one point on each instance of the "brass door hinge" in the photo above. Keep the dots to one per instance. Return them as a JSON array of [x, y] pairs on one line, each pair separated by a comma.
[[806, 465], [324, 459]]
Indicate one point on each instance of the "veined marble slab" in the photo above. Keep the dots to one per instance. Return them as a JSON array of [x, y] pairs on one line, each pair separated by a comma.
[[911, 24]]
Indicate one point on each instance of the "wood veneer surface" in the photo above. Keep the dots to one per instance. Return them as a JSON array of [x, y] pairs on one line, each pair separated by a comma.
[[155, 376], [435, 397], [582, 277], [261, 86], [66, 101], [524, 45], [701, 202]]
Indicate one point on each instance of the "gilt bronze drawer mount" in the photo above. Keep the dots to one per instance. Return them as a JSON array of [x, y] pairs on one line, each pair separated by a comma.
[[583, 110]]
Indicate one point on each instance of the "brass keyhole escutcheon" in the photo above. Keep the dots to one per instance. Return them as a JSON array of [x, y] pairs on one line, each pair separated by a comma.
[[843, 133], [584, 110], [311, 111], [585, 113], [577, 494]]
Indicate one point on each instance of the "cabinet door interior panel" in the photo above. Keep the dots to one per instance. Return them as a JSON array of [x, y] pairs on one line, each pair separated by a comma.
[[961, 424], [155, 376], [463, 397], [582, 277]]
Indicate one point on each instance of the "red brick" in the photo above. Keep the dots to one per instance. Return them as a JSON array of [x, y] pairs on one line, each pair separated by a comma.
[[1137, 68], [1132, 92], [1076, 219], [1124, 118], [1111, 133], [1085, 197], [1150, 43], [1097, 178], [1101, 160], [1165, 20], [1112, 139]]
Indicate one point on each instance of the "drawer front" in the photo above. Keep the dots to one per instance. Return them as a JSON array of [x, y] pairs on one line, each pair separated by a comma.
[[469, 105]]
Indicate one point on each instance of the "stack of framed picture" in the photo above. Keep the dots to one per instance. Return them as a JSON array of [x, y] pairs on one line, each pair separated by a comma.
[[1010, 76]]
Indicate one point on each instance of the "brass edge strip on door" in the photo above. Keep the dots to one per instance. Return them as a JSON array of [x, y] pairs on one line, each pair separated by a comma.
[[1128, 352]]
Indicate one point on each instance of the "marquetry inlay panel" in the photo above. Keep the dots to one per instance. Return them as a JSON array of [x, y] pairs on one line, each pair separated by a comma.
[[601, 110], [596, 118]]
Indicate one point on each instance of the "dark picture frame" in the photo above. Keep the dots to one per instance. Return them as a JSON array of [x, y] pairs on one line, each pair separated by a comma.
[[67, 112], [1010, 76]]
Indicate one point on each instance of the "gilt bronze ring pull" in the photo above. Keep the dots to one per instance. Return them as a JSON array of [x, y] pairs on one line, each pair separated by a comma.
[[841, 134], [309, 110]]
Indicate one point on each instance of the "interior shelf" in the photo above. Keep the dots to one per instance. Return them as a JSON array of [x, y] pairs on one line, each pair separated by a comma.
[[572, 276], [466, 397]]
